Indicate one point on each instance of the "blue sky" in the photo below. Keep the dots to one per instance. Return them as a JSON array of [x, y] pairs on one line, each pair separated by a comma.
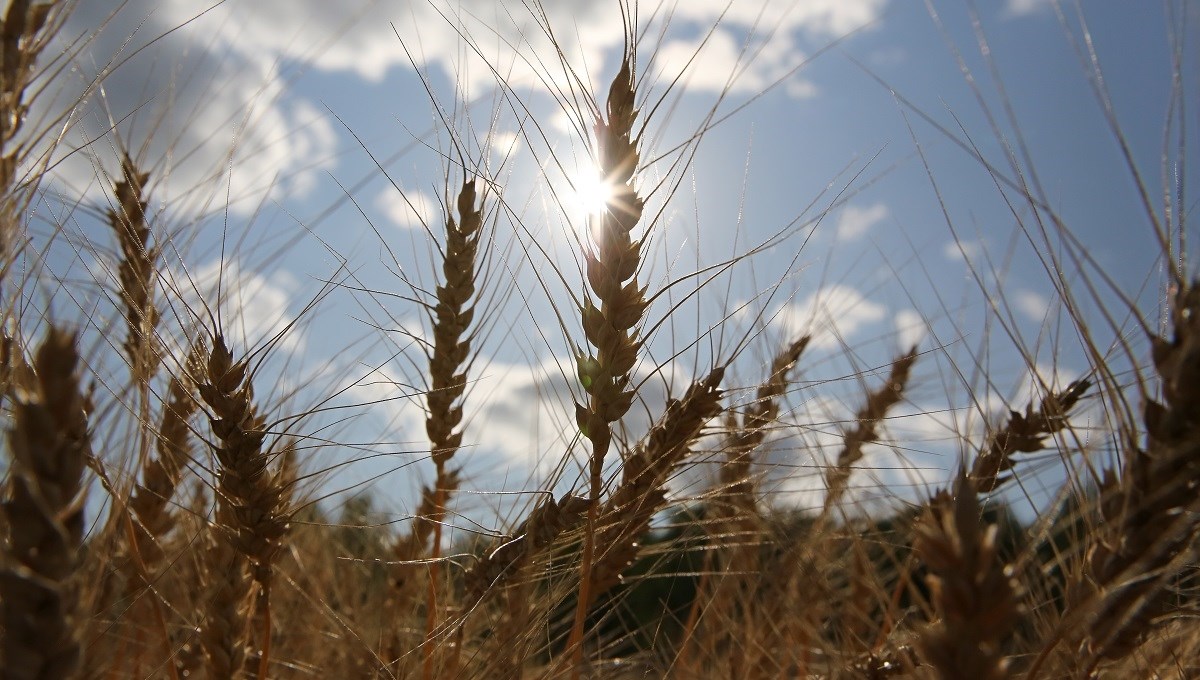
[[294, 144]]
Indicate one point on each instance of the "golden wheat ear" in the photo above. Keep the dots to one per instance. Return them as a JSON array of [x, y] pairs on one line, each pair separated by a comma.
[[736, 532], [1024, 433], [161, 474], [502, 564], [971, 589], [449, 357], [866, 428], [251, 518], [745, 438], [626, 515], [136, 271], [611, 262], [451, 352], [1150, 513], [50, 447]]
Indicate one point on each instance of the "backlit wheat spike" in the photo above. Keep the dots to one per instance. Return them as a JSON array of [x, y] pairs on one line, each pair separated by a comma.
[[745, 438], [611, 261], [161, 474], [626, 516], [1150, 512], [251, 506]]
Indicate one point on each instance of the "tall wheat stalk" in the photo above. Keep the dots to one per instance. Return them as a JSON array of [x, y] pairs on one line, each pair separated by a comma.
[[611, 265]]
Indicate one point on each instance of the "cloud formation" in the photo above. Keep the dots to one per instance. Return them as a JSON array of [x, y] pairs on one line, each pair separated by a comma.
[[855, 221], [830, 315], [211, 87], [1020, 8], [410, 209], [1033, 305], [208, 121], [252, 308]]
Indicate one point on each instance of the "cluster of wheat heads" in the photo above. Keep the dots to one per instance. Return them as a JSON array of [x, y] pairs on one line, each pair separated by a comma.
[[204, 558]]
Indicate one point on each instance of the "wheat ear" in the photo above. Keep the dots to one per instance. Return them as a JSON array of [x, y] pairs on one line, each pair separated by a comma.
[[25, 30], [545, 523], [136, 271], [611, 328], [970, 587], [161, 474], [448, 378], [50, 446], [744, 439], [866, 428], [738, 524], [1024, 433], [627, 513], [251, 506], [1150, 513]]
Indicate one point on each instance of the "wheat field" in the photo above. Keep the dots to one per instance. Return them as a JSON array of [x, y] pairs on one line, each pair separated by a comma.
[[182, 496]]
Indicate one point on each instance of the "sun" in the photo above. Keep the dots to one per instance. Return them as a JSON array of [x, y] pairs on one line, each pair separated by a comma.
[[593, 193]]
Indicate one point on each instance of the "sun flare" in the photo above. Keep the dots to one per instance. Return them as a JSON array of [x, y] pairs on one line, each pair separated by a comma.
[[593, 193]]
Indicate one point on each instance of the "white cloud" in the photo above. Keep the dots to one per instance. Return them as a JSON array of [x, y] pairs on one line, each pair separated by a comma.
[[833, 312], [203, 120], [369, 37], [523, 413], [253, 307], [911, 328], [818, 18], [206, 82], [1033, 305], [1019, 8], [855, 221], [725, 63], [409, 210], [505, 144], [960, 250]]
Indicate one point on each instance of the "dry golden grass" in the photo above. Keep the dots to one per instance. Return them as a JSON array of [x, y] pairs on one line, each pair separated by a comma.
[[210, 555]]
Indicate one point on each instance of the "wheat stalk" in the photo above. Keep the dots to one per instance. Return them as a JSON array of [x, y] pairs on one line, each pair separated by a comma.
[[611, 266]]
